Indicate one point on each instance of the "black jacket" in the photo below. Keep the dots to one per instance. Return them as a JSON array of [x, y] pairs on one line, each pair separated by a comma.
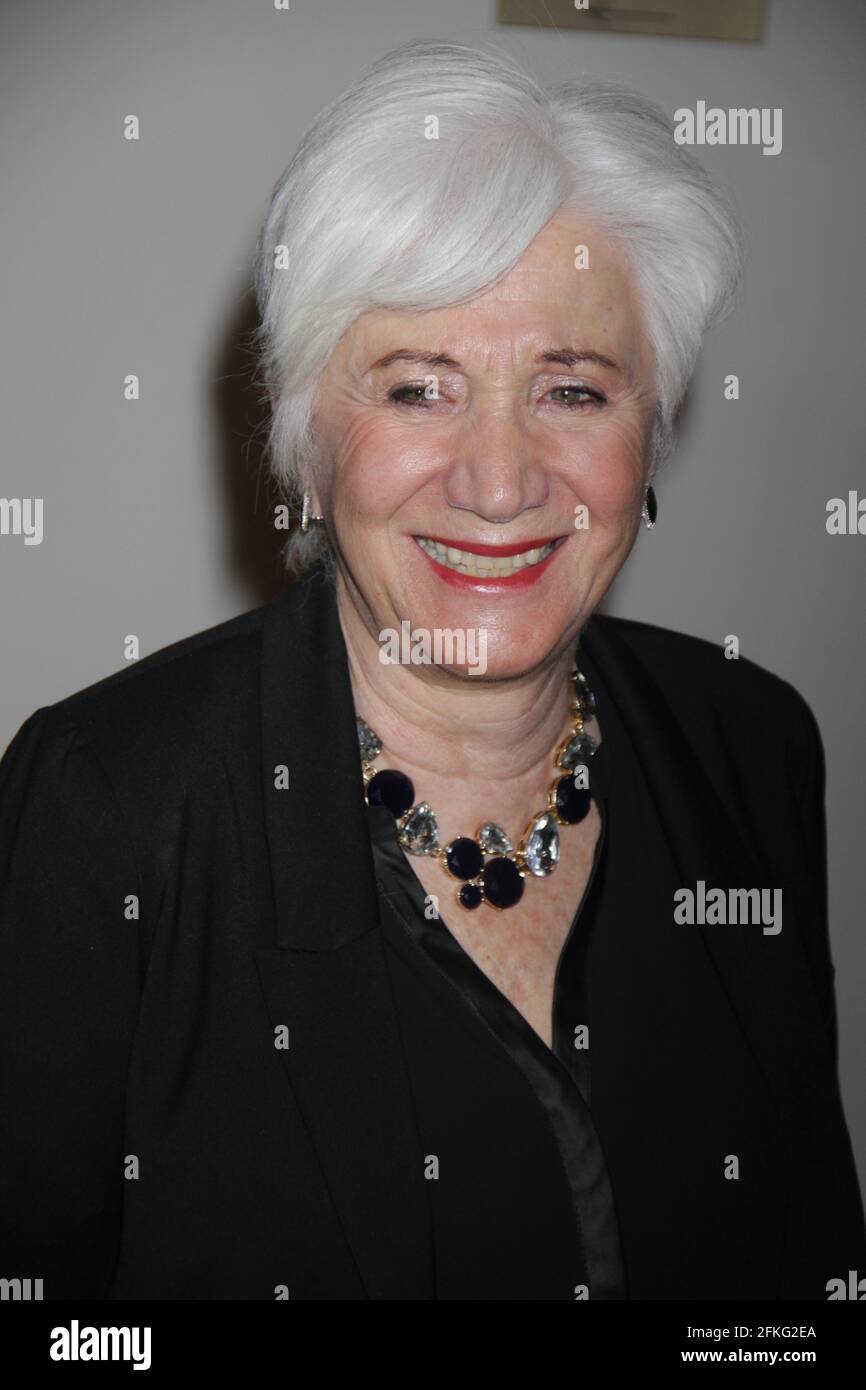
[[166, 910]]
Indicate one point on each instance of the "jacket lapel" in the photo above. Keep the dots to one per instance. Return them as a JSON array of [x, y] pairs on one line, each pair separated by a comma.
[[326, 977], [766, 978]]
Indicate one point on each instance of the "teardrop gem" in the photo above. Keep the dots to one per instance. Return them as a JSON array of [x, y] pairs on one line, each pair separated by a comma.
[[419, 830], [587, 699], [367, 741], [493, 839], [578, 749], [541, 851]]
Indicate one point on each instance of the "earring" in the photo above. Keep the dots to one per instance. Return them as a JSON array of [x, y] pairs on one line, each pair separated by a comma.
[[306, 512], [650, 509]]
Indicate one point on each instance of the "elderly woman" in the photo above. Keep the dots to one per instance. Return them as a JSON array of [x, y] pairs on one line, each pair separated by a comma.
[[424, 934]]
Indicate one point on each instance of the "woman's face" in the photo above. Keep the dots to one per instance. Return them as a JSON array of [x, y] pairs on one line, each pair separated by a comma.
[[457, 440]]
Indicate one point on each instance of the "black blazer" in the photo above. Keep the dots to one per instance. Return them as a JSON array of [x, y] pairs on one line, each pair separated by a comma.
[[166, 907]]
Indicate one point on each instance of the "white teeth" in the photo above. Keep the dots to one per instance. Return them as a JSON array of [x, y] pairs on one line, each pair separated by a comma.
[[482, 566]]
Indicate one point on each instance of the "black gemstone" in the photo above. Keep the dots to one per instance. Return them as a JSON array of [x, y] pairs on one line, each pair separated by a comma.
[[503, 886], [652, 506], [463, 857], [572, 803], [392, 789], [470, 895]]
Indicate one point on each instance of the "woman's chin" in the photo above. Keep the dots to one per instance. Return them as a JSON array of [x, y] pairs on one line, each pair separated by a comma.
[[491, 627], [468, 645]]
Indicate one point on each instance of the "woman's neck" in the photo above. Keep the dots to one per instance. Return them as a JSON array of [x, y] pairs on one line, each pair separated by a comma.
[[469, 745]]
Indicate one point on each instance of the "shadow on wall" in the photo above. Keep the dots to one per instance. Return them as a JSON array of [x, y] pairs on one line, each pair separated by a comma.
[[253, 545]]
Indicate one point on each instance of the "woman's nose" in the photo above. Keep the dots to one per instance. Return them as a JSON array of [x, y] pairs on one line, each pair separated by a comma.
[[495, 470]]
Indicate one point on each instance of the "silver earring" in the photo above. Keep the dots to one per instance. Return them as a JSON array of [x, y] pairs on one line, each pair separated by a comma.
[[306, 512], [650, 509]]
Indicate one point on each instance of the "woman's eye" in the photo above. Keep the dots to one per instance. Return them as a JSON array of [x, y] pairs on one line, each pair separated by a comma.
[[580, 395], [417, 394], [411, 394]]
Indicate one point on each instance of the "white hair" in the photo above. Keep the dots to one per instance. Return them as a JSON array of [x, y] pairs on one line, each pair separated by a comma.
[[372, 214]]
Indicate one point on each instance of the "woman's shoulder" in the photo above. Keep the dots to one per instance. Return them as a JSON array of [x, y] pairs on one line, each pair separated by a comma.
[[183, 671], [157, 717], [193, 682], [700, 676]]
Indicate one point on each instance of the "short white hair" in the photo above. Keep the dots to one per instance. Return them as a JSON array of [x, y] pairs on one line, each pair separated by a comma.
[[373, 215]]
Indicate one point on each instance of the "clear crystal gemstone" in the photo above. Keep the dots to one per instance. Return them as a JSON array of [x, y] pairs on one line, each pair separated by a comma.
[[419, 830], [541, 852], [367, 741], [577, 750], [493, 839], [587, 699]]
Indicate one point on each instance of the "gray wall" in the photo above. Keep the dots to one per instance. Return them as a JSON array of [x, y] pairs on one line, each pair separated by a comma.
[[135, 257]]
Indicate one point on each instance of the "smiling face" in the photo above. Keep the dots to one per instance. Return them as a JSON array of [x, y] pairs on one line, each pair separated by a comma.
[[460, 446]]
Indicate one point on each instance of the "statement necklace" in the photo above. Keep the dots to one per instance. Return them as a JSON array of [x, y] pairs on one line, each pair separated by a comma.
[[499, 881]]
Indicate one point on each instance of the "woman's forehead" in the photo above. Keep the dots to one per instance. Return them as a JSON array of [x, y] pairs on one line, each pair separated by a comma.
[[543, 301]]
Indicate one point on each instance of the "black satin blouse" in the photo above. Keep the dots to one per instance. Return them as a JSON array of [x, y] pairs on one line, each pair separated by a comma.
[[521, 1202]]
